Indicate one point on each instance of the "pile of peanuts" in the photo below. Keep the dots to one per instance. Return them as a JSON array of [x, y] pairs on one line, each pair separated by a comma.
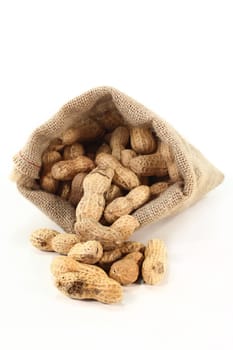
[[106, 170]]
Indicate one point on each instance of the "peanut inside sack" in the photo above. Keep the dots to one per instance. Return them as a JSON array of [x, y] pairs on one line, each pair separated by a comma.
[[152, 171], [106, 169]]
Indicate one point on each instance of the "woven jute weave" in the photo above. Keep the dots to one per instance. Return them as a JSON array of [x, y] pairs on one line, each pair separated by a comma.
[[198, 174]]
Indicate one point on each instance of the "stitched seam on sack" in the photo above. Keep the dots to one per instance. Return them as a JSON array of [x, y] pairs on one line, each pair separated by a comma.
[[28, 161]]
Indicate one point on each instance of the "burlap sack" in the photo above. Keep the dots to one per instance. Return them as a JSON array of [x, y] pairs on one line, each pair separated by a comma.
[[199, 176]]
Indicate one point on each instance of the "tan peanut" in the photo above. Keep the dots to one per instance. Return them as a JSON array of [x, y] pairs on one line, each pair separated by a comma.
[[76, 191], [149, 165], [123, 177], [131, 247], [104, 148], [88, 130], [110, 256], [63, 264], [113, 193], [67, 169], [119, 140], [63, 242], [64, 189], [73, 151], [42, 239], [88, 284], [125, 205], [155, 264], [47, 182], [49, 158], [164, 150], [158, 188], [126, 156], [126, 270], [95, 186], [142, 140], [109, 237], [89, 252]]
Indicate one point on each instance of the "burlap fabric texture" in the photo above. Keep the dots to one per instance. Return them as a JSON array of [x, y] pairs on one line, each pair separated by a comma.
[[199, 176]]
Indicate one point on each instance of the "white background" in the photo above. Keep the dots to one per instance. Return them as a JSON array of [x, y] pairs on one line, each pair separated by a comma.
[[176, 58]]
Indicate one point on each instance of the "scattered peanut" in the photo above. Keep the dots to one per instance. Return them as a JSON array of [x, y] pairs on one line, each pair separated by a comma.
[[126, 270], [125, 205], [62, 243], [109, 237], [63, 264], [89, 252], [155, 264], [42, 239], [131, 247], [89, 285]]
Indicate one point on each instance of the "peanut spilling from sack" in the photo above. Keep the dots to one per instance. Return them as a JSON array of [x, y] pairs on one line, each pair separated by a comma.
[[107, 170]]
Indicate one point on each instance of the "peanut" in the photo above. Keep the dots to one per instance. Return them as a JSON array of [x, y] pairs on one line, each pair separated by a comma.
[[89, 252], [126, 270], [125, 205], [49, 158], [149, 165], [155, 264], [110, 256], [166, 153], [64, 190], [123, 177], [142, 140], [73, 151], [113, 193], [104, 148], [95, 186], [119, 140], [76, 191], [42, 239], [63, 264], [158, 188], [126, 156], [89, 285], [62, 243], [86, 131], [131, 247], [67, 169], [109, 237], [48, 183]]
